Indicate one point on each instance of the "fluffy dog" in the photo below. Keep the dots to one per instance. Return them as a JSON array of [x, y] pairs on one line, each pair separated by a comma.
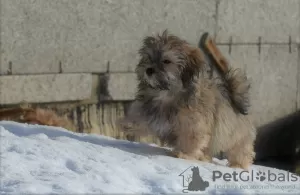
[[184, 108]]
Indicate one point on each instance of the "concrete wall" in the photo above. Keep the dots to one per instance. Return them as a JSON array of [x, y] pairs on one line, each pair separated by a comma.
[[85, 50]]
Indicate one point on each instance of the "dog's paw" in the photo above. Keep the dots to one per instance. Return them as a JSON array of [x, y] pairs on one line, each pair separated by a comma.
[[205, 158]]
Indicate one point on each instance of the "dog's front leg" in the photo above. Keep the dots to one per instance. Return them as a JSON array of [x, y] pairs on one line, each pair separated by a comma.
[[199, 152], [193, 139]]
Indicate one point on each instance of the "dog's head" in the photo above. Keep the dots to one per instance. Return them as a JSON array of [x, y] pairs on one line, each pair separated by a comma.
[[168, 61]]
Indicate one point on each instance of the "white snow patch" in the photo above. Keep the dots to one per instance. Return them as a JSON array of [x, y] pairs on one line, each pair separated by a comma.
[[41, 159]]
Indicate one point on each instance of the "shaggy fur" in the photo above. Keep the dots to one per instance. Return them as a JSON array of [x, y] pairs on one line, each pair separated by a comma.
[[181, 105], [238, 86]]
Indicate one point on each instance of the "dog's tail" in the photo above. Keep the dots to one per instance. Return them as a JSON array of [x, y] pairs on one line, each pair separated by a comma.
[[238, 87], [236, 81]]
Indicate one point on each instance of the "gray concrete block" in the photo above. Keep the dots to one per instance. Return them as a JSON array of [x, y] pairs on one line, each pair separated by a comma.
[[245, 21], [31, 36], [234, 62], [44, 88], [92, 35], [298, 86], [110, 32], [122, 86], [273, 74]]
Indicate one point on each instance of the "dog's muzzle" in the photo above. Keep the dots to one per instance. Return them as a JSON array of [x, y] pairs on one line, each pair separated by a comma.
[[163, 84]]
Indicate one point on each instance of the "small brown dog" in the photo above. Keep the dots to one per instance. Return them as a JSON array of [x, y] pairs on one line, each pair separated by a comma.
[[180, 104]]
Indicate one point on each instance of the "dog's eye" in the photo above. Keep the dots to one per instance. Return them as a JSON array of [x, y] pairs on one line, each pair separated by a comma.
[[166, 61]]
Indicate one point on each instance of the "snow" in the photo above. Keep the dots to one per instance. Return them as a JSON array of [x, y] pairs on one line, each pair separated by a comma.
[[41, 159]]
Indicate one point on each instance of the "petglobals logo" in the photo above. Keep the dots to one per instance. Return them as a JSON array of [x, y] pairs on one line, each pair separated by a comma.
[[247, 176]]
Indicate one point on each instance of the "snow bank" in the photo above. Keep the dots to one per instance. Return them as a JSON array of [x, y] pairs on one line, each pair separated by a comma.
[[40, 159]]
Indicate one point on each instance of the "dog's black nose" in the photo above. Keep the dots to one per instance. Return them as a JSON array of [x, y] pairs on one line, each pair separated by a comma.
[[150, 71]]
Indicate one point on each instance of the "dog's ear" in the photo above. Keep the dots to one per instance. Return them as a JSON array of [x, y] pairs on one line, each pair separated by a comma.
[[165, 35], [194, 64], [148, 41], [195, 58]]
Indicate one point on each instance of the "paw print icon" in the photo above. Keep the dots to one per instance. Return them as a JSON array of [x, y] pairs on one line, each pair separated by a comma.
[[261, 176]]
